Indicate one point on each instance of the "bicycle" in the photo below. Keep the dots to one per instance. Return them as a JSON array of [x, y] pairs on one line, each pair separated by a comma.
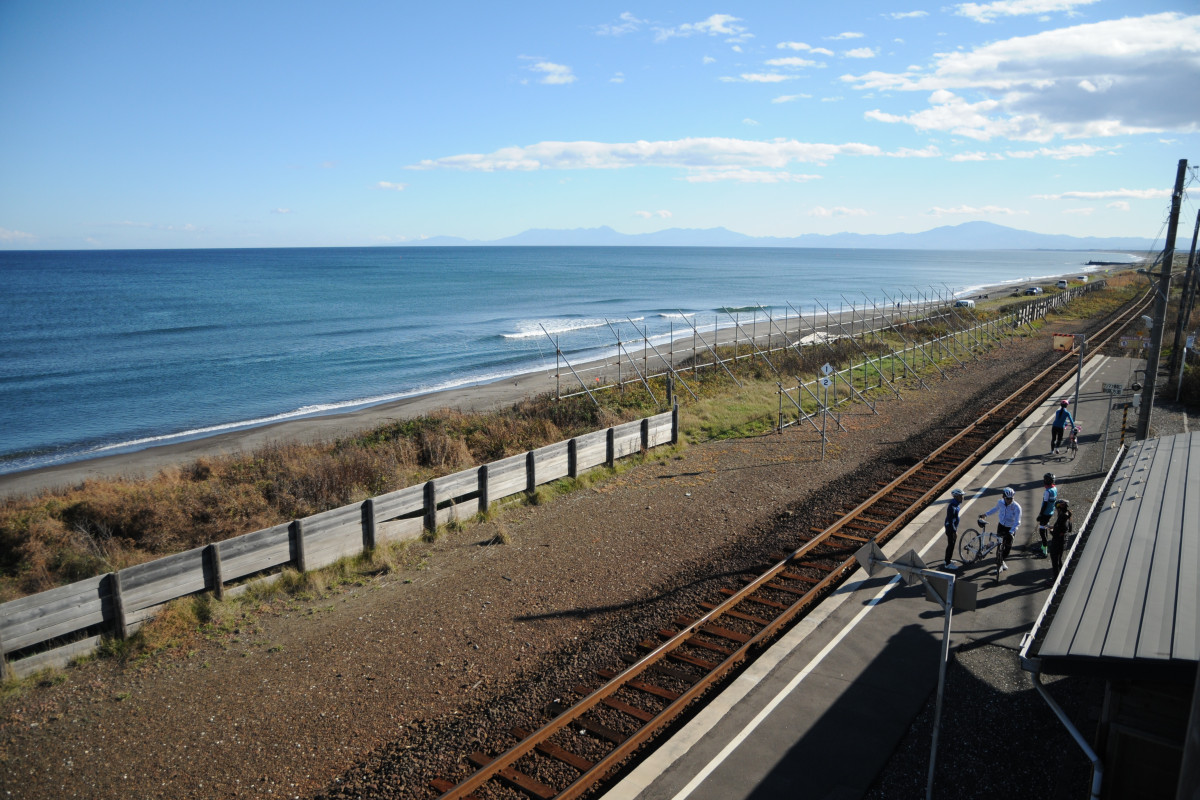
[[975, 545]]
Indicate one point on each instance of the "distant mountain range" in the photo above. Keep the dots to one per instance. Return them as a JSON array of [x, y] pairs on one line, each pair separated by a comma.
[[967, 236]]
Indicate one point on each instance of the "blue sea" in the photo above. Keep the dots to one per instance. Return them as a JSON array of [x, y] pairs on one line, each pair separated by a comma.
[[110, 351]]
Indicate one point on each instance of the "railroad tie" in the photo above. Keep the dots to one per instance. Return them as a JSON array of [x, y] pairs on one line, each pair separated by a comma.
[[552, 750], [641, 686], [594, 728], [516, 779], [738, 615], [442, 785], [618, 705]]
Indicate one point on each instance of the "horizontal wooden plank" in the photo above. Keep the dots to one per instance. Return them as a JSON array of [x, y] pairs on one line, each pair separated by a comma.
[[332, 550], [550, 462], [400, 530], [457, 485], [56, 627], [30, 604], [334, 519], [57, 658], [507, 477], [255, 552], [454, 514], [164, 579], [399, 503], [66, 609]]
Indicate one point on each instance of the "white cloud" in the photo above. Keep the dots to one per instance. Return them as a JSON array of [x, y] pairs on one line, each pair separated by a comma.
[[628, 24], [907, 152], [976, 156], [715, 25], [395, 187], [690, 153], [859, 52], [972, 210], [281, 211], [907, 14], [7, 235], [801, 46], [1119, 205], [554, 74], [748, 121], [791, 61], [618, 78], [1064, 152], [663, 214], [1107, 78], [1134, 194], [846, 35], [838, 211], [759, 77], [1081, 211], [788, 98], [158, 226], [988, 12], [747, 176], [836, 99], [708, 60]]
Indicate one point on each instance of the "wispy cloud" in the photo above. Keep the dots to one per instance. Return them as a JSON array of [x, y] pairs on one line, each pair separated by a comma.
[[7, 235], [1134, 194], [976, 156], [715, 25], [937, 211], [662, 214], [1119, 205], [281, 211], [157, 226], [846, 35], [628, 24], [1064, 152], [747, 176], [989, 12], [791, 61], [1101, 79], [789, 98], [1084, 212], [906, 14], [859, 52], [553, 74], [395, 187], [837, 211], [759, 77]]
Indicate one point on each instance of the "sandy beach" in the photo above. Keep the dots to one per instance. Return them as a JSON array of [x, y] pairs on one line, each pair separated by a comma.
[[484, 397]]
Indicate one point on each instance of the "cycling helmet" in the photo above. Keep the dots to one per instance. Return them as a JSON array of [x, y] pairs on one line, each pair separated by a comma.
[[957, 493], [1064, 402], [1062, 502], [1008, 492], [1048, 479]]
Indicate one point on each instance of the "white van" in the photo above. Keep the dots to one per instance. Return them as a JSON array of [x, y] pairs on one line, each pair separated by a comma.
[[965, 304], [1061, 284]]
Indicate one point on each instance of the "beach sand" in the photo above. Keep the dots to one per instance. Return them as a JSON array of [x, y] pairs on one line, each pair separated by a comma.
[[484, 397]]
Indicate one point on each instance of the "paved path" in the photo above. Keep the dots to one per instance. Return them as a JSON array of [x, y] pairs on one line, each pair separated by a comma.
[[825, 707]]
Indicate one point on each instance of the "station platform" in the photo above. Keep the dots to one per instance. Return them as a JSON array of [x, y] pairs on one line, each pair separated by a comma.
[[825, 707]]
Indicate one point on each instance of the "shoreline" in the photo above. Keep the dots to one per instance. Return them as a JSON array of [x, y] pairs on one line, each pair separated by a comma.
[[149, 461]]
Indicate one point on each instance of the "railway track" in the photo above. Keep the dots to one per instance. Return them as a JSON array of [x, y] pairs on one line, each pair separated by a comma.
[[618, 712]]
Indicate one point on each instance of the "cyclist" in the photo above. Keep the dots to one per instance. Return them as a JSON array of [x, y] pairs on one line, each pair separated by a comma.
[[1062, 418], [1009, 511], [1049, 496], [1058, 534], [951, 525]]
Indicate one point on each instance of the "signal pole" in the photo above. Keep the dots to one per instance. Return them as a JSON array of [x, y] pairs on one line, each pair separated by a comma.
[[1185, 307], [1160, 307]]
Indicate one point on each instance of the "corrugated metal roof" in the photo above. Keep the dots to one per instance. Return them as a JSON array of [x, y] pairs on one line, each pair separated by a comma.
[[1134, 595]]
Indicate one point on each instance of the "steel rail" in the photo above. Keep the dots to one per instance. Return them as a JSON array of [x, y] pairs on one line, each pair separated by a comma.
[[976, 440]]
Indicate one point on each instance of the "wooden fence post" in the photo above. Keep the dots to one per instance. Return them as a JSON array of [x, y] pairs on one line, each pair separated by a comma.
[[675, 422], [484, 500], [530, 473], [296, 529], [5, 670], [430, 507], [645, 434], [368, 524], [572, 459], [610, 454], [213, 552], [114, 582]]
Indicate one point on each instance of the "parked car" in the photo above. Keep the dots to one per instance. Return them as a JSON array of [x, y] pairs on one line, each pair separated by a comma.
[[1062, 284], [1034, 290], [1081, 278], [965, 304]]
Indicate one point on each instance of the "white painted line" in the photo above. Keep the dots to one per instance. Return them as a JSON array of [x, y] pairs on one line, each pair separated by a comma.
[[741, 736]]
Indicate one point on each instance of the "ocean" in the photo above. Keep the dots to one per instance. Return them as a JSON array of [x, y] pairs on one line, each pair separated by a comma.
[[111, 351]]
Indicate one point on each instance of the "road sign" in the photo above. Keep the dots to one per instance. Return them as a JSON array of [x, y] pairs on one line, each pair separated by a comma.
[[1064, 341], [827, 382], [1114, 388], [827, 369], [965, 593], [869, 556]]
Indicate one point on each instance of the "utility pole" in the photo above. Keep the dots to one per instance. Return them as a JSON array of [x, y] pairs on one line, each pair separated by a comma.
[[1185, 307], [1160, 307]]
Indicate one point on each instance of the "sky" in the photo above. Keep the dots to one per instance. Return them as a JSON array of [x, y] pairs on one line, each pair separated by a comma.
[[270, 124]]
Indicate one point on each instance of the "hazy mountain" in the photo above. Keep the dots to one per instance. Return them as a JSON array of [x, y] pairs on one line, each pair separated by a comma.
[[967, 236]]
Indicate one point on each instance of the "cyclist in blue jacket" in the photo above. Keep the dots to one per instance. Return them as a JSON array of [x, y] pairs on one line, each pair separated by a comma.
[[1049, 496], [1062, 418]]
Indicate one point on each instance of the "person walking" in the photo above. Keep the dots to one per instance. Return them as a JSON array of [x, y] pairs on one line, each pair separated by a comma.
[[1049, 496], [1058, 535], [1058, 426], [1008, 512], [951, 524]]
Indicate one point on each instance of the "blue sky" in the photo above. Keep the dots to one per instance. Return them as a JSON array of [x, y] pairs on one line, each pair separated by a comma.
[[166, 124]]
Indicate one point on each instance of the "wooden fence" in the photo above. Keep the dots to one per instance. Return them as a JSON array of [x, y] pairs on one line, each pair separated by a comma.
[[34, 628], [50, 628]]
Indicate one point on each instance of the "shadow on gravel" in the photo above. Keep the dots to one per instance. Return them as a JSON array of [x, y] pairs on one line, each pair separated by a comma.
[[645, 602]]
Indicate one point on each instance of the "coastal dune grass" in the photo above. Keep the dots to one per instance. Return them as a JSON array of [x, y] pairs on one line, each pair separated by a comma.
[[101, 525]]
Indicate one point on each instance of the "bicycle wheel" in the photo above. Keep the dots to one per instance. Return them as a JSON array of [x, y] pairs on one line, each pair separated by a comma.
[[970, 546]]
